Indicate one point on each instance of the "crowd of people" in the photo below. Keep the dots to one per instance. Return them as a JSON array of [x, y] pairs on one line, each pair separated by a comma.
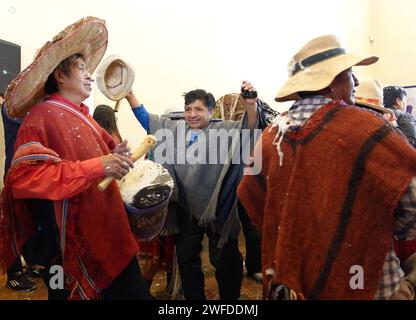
[[329, 186]]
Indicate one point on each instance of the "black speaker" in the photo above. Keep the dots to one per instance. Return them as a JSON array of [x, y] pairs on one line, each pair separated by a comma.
[[9, 63]]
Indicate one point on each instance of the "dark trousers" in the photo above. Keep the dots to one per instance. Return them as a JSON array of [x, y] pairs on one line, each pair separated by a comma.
[[228, 261], [15, 268], [54, 294], [43, 245], [253, 242], [44, 249], [129, 285]]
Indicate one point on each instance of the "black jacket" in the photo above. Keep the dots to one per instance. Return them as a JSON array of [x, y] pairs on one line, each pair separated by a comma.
[[407, 125]]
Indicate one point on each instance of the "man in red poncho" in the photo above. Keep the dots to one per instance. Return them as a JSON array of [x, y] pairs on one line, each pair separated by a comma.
[[61, 155], [337, 185]]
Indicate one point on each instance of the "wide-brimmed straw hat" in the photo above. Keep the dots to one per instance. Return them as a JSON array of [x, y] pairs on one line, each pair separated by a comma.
[[317, 64], [87, 37], [369, 93], [115, 77]]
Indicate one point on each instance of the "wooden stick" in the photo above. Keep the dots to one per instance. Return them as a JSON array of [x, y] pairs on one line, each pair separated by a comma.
[[117, 106], [147, 144]]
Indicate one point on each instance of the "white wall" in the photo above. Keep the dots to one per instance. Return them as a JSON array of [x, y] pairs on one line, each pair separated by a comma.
[[395, 41], [177, 46]]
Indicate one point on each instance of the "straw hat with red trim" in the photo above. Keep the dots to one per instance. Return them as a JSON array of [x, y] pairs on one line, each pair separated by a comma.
[[88, 37], [317, 64], [370, 94]]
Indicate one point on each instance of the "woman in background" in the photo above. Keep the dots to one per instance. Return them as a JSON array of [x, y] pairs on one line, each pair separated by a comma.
[[106, 118]]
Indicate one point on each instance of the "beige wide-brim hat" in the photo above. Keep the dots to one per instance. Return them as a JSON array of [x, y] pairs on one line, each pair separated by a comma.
[[115, 77], [88, 37], [370, 93], [317, 64]]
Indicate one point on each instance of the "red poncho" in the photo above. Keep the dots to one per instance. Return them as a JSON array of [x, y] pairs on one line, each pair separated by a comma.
[[56, 158], [331, 204]]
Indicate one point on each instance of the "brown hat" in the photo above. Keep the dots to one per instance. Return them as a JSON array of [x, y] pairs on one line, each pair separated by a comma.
[[230, 107], [317, 64], [115, 77], [87, 37]]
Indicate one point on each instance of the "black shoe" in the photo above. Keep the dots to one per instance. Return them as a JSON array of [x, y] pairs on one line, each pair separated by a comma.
[[257, 276], [20, 282], [33, 272], [149, 283]]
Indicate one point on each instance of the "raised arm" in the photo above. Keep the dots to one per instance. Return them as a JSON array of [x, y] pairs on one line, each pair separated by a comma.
[[251, 106], [140, 112]]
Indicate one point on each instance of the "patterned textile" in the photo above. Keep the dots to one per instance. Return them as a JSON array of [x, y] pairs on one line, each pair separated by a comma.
[[405, 224], [61, 144]]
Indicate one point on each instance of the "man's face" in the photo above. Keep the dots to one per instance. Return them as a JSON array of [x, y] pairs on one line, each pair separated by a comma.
[[343, 87], [401, 104], [78, 82], [197, 115]]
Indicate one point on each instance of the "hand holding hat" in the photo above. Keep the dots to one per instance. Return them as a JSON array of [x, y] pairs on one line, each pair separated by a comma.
[[115, 78]]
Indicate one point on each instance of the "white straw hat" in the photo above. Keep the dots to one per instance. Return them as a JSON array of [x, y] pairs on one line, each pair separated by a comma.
[[115, 77], [370, 94]]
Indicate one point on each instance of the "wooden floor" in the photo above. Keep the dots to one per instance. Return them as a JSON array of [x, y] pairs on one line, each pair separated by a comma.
[[250, 289]]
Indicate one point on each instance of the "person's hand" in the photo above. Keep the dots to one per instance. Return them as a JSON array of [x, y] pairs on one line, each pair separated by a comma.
[[129, 94], [123, 149], [132, 99], [116, 166], [249, 87]]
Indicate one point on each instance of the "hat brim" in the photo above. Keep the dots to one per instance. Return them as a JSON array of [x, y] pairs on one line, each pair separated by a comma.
[[321, 75], [101, 78], [88, 37], [373, 106]]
